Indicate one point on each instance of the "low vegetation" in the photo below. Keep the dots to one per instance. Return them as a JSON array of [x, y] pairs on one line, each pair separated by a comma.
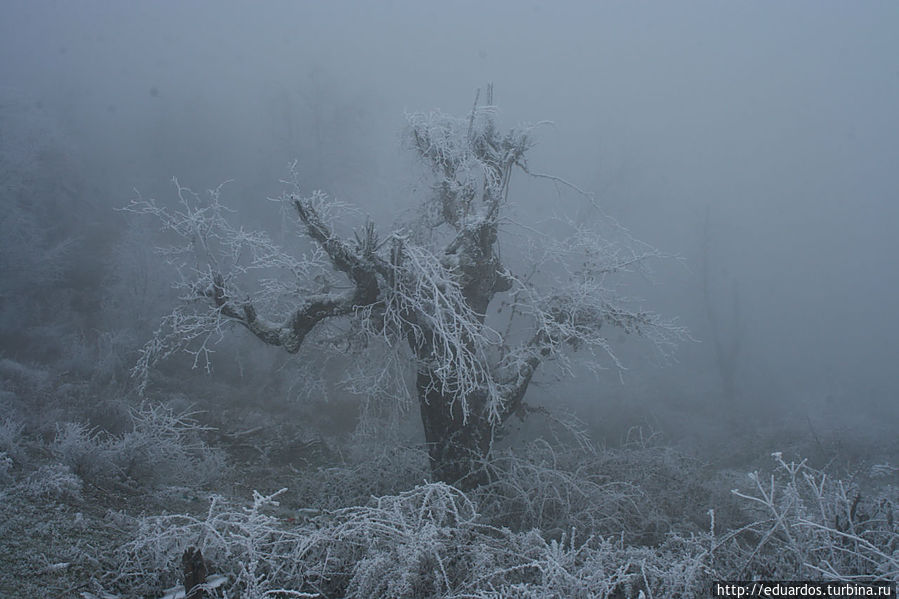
[[93, 513]]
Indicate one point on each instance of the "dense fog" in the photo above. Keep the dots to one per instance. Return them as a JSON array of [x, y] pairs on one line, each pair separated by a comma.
[[754, 145], [779, 120]]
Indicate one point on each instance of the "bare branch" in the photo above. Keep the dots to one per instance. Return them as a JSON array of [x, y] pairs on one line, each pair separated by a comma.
[[356, 267], [422, 302], [291, 333], [223, 255]]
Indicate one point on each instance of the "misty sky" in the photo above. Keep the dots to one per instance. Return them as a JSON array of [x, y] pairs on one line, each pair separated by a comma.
[[781, 117]]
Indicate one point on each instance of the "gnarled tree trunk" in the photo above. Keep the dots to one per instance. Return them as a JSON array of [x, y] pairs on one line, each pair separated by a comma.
[[413, 289], [457, 446]]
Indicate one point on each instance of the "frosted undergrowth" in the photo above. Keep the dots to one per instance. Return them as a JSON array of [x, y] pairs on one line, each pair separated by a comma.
[[436, 541], [429, 541], [162, 448]]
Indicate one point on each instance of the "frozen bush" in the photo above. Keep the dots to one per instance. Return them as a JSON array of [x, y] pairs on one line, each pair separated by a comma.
[[414, 544], [671, 485], [554, 490], [252, 547], [429, 541], [55, 481], [808, 525], [163, 448], [393, 547], [11, 439], [87, 452], [382, 471], [435, 540], [167, 448], [642, 493]]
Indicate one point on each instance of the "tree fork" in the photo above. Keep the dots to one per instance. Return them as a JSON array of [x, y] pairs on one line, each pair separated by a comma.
[[411, 291]]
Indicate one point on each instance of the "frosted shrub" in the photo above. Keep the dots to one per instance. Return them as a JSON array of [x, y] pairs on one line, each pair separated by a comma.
[[414, 544], [672, 495], [809, 525], [406, 545], [382, 471], [163, 448], [87, 452], [254, 549], [427, 542], [11, 438], [554, 490], [641, 493], [528, 566], [55, 481]]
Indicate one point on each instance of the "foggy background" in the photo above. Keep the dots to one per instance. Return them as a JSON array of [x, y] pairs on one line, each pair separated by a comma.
[[776, 121]]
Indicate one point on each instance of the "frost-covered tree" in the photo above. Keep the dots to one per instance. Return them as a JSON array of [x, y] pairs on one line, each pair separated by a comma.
[[418, 298]]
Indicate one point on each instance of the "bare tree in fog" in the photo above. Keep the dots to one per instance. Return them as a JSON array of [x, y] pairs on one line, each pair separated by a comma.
[[419, 295], [728, 341]]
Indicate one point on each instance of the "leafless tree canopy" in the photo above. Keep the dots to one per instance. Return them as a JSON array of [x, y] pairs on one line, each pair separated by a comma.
[[419, 293]]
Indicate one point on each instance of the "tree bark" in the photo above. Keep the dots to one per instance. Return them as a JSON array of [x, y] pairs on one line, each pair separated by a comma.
[[193, 567], [457, 446]]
